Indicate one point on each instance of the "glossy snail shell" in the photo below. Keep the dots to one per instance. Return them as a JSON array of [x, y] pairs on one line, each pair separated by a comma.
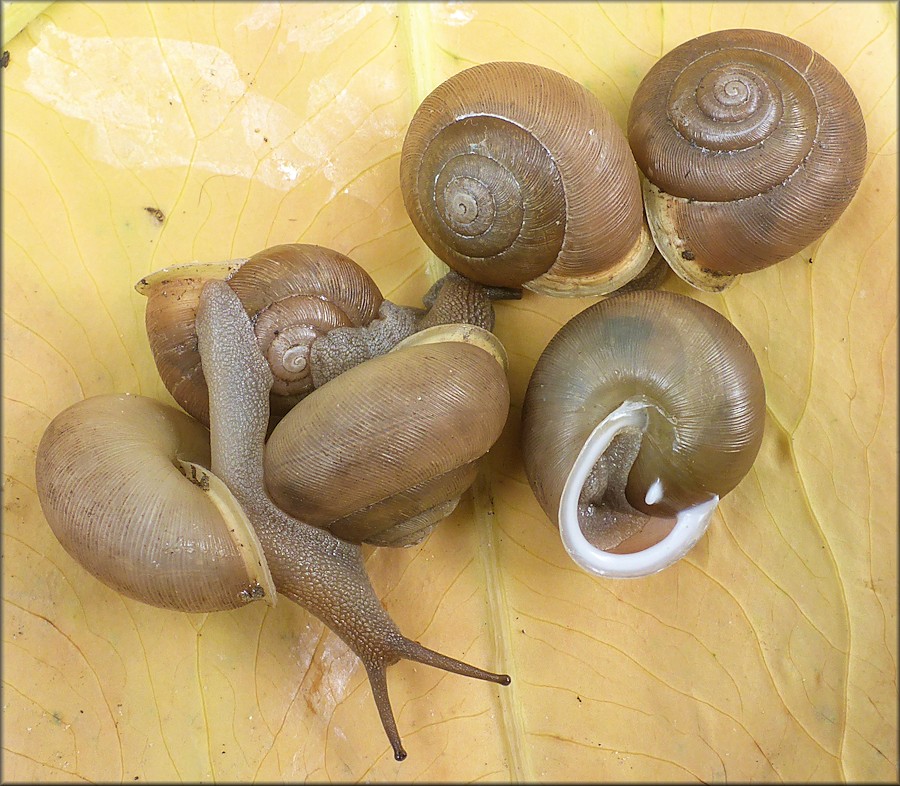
[[692, 423], [752, 145], [124, 485], [293, 293], [515, 174], [400, 437]]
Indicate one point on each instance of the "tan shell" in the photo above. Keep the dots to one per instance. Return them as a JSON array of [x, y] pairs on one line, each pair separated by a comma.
[[293, 294], [515, 174], [691, 367], [752, 145], [384, 451], [122, 482]]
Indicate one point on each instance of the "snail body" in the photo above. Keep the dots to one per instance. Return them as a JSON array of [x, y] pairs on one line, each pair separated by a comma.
[[751, 145], [514, 174], [308, 564], [640, 414], [315, 313]]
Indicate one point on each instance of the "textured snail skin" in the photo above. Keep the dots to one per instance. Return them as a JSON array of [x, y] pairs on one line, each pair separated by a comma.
[[315, 312], [310, 566], [752, 145], [695, 378], [515, 174]]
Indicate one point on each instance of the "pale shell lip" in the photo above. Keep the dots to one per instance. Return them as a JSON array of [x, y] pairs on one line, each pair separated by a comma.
[[260, 585], [601, 283], [204, 270], [689, 527], [670, 244], [463, 333]]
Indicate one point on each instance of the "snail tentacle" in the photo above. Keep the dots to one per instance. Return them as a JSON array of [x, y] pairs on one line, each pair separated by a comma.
[[310, 566]]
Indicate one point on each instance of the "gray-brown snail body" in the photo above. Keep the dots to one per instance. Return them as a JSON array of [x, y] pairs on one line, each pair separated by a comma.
[[315, 312], [160, 510], [751, 145], [515, 174], [640, 414]]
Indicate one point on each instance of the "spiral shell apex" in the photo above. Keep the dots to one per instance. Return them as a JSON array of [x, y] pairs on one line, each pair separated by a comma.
[[294, 293], [515, 174], [752, 145]]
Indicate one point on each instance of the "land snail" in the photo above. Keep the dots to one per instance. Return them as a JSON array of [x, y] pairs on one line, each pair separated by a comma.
[[642, 412], [315, 312], [170, 514], [751, 145], [515, 174]]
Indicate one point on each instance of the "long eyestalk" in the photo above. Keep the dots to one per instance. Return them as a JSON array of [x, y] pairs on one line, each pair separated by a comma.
[[310, 566]]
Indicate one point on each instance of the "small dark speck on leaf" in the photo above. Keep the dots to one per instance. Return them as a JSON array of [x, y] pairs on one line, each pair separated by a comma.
[[156, 213], [4, 59], [579, 699], [265, 139], [688, 255], [809, 260]]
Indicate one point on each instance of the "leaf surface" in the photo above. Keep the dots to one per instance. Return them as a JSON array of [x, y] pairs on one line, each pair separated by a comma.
[[139, 136]]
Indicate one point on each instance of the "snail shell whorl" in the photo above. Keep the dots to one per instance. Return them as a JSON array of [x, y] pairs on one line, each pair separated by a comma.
[[694, 369], [752, 143], [293, 293], [512, 172], [113, 482], [391, 440]]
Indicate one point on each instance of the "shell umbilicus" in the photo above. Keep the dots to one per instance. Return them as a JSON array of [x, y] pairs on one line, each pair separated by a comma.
[[92, 490], [751, 144], [640, 414]]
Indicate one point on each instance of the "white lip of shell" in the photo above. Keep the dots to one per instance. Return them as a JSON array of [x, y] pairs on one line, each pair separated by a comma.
[[690, 524]]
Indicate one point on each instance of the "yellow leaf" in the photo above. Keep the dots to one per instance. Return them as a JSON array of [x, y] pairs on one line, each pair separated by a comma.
[[140, 136]]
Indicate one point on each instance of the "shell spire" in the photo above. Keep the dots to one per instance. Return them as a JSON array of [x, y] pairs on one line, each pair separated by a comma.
[[515, 174], [752, 145]]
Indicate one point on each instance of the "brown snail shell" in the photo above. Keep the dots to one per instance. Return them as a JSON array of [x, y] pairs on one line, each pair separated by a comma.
[[294, 293], [515, 174], [125, 486], [400, 437], [692, 424], [752, 145]]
